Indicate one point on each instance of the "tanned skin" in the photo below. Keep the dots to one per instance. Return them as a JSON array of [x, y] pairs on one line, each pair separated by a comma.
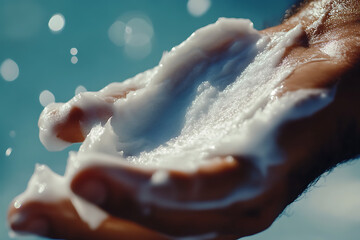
[[310, 146]]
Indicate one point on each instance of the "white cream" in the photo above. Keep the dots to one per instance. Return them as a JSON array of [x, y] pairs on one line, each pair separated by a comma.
[[213, 95]]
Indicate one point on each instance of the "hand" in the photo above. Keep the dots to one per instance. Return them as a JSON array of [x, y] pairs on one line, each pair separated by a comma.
[[310, 146]]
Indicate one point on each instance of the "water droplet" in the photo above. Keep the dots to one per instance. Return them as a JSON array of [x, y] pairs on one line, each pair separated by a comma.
[[74, 60], [8, 151], [198, 8], [9, 70], [42, 188], [46, 97], [57, 22], [80, 89], [17, 204], [73, 51]]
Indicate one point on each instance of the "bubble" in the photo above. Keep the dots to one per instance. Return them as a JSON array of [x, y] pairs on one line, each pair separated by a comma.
[[12, 133], [198, 8], [17, 204], [74, 60], [8, 151], [9, 70], [56, 22], [116, 33], [80, 89], [46, 97], [73, 51]]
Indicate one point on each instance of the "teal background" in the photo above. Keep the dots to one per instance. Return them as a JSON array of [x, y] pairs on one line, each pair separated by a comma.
[[44, 62]]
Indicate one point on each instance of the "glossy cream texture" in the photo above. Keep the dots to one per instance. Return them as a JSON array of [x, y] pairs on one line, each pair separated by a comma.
[[213, 95]]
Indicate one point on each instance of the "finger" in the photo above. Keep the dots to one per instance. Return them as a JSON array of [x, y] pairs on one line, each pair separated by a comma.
[[60, 220], [62, 124], [173, 202]]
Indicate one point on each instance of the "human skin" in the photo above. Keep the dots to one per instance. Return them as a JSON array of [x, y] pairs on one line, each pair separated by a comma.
[[310, 146]]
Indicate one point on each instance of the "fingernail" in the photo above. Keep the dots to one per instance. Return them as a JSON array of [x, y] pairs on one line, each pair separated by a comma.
[[38, 226], [93, 191]]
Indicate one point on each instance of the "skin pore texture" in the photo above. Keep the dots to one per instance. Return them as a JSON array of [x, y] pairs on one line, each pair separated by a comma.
[[319, 45]]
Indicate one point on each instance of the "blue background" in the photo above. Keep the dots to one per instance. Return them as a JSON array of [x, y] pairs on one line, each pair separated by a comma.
[[329, 211]]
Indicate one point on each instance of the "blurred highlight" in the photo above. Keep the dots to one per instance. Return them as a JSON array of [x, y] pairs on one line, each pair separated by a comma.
[[57, 23], [8, 151], [46, 97], [198, 8], [9, 70], [134, 34], [80, 89]]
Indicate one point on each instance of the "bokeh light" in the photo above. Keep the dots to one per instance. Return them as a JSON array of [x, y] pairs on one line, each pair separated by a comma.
[[134, 34], [74, 60], [57, 22], [73, 51], [46, 97], [116, 33], [198, 8], [9, 70], [138, 32]]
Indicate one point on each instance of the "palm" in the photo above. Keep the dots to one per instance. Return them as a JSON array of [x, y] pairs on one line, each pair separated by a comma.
[[317, 63]]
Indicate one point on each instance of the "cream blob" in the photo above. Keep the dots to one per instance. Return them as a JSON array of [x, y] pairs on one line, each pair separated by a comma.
[[213, 95]]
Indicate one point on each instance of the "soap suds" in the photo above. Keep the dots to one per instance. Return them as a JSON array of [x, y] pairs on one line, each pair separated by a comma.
[[213, 95]]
